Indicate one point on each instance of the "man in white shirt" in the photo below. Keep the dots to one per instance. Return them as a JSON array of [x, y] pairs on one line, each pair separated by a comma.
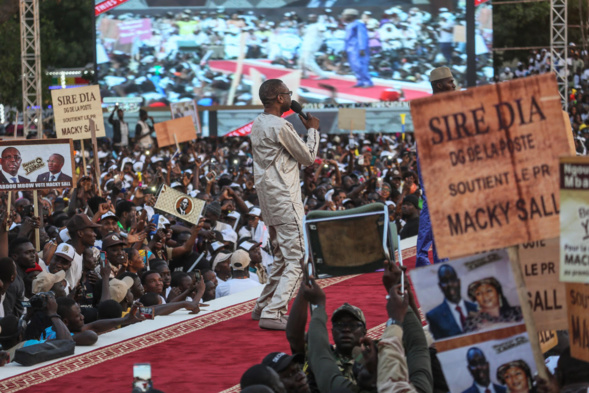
[[240, 277], [82, 233], [312, 41], [446, 39], [257, 230]]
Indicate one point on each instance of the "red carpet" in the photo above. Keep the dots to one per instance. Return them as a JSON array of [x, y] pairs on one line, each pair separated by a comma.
[[343, 86], [205, 354]]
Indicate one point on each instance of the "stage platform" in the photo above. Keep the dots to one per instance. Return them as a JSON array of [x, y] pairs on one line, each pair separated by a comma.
[[207, 352]]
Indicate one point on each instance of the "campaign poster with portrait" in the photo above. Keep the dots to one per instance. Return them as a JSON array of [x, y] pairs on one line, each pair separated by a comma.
[[186, 108], [36, 164], [501, 365], [179, 204], [468, 296], [574, 219]]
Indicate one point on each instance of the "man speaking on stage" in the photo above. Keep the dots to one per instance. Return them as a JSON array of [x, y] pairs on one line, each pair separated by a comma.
[[278, 150]]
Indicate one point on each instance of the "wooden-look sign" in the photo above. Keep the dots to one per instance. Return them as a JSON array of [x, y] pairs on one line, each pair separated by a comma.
[[574, 219], [578, 314], [73, 108], [183, 128], [546, 295], [548, 340], [351, 119], [489, 160]]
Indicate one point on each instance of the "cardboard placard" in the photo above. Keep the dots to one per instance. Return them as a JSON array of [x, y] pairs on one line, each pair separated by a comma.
[[574, 219], [459, 33], [578, 314], [186, 108], [183, 128], [37, 164], [72, 108], [540, 265], [548, 340], [490, 156], [179, 204], [352, 119]]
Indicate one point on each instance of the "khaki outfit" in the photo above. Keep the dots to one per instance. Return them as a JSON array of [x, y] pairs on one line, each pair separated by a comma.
[[278, 150]]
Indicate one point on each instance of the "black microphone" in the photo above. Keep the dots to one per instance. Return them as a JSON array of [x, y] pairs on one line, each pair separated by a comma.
[[295, 106]]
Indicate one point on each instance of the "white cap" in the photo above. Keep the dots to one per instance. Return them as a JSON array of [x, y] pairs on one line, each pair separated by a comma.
[[255, 211], [246, 245], [109, 214], [229, 235], [221, 257], [64, 235], [235, 215], [138, 166], [216, 245], [66, 251], [176, 184]]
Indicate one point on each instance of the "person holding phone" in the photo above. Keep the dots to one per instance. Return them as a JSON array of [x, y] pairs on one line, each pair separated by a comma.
[[278, 150]]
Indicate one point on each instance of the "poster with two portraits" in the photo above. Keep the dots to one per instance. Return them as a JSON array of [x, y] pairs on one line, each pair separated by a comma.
[[474, 313], [36, 164]]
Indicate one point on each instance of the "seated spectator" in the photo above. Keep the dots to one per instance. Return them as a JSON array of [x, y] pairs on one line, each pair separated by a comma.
[[45, 282], [410, 210], [290, 370], [222, 266], [240, 280], [162, 268], [12, 289], [261, 374], [12, 331], [72, 317], [256, 267], [182, 287], [114, 246]]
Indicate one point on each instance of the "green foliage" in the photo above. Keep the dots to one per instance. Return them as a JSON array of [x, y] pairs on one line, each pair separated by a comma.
[[10, 69], [66, 42], [528, 24], [519, 25]]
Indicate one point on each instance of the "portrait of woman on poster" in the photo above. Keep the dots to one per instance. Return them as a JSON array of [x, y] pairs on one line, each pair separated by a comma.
[[492, 305], [516, 376]]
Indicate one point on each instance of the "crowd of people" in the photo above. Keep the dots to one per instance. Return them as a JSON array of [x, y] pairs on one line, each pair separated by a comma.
[[170, 62], [577, 75], [108, 259], [104, 263]]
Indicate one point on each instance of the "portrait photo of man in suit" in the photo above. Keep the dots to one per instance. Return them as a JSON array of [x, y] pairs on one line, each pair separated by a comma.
[[478, 366], [449, 318], [55, 164], [184, 207], [11, 161]]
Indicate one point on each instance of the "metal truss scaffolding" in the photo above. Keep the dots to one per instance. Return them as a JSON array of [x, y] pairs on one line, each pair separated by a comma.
[[31, 66], [558, 47]]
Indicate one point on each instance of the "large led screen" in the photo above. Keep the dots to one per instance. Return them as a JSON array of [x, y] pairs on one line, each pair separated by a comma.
[[333, 50]]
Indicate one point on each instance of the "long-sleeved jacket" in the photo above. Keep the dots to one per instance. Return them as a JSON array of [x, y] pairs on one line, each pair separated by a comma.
[[356, 36], [393, 374], [277, 150], [321, 360]]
